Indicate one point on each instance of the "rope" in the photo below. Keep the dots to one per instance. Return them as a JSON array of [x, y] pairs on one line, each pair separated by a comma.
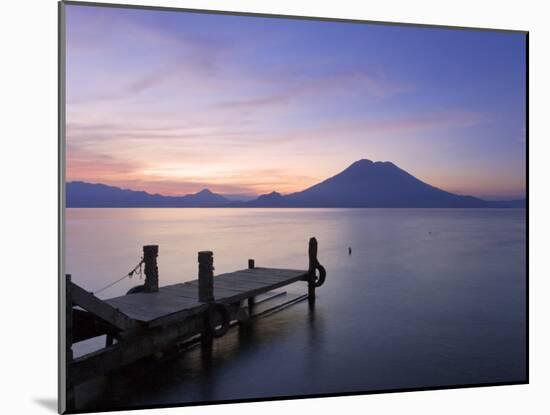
[[137, 269]]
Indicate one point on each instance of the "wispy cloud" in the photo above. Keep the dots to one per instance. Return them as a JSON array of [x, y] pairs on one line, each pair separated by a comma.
[[95, 166], [178, 102], [303, 90]]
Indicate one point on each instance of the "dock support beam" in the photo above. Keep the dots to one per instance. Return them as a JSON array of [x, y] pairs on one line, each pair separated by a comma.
[[206, 277], [68, 318], [206, 295], [312, 252], [70, 400], [150, 253], [109, 340], [251, 300]]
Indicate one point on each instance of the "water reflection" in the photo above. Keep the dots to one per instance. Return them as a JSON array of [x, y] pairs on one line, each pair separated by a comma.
[[428, 297]]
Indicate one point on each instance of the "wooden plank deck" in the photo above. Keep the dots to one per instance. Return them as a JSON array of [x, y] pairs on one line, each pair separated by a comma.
[[158, 318], [182, 299]]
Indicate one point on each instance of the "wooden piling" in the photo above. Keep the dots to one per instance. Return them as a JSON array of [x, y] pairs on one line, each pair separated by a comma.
[[251, 300], [150, 253], [135, 321], [312, 252], [206, 295], [109, 340], [70, 399], [207, 347], [68, 319], [206, 277]]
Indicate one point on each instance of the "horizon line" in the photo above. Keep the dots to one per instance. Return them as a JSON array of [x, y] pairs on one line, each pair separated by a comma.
[[249, 197]]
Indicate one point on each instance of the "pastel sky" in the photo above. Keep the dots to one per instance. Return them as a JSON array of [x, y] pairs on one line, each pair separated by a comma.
[[173, 102]]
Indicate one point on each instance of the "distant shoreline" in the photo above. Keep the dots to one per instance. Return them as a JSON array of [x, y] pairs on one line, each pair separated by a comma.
[[296, 207], [363, 184]]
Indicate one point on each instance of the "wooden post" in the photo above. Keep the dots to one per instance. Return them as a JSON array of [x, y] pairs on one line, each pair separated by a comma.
[[206, 277], [207, 346], [70, 399], [206, 295], [68, 319], [251, 300], [150, 253], [109, 340], [312, 251], [251, 304]]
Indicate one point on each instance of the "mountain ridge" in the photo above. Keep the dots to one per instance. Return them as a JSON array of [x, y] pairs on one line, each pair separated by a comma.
[[364, 183], [98, 195]]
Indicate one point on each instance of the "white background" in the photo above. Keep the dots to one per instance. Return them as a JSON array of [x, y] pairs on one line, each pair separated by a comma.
[[28, 231]]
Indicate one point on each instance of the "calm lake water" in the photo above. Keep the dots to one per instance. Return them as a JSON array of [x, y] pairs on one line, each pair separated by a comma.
[[429, 297]]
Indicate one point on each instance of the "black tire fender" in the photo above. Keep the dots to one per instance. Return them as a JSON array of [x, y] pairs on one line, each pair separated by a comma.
[[136, 289], [210, 319], [319, 280]]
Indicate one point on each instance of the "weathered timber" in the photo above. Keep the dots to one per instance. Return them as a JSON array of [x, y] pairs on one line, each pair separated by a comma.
[[109, 340], [86, 325], [269, 272], [270, 295], [155, 318], [251, 301], [206, 277], [146, 344], [206, 295], [137, 347], [150, 253], [180, 300], [100, 308], [68, 319], [190, 290], [312, 253], [256, 277], [69, 389], [253, 290], [240, 284], [261, 309]]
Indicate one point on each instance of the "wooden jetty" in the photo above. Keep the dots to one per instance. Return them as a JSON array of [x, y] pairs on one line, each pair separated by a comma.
[[150, 319]]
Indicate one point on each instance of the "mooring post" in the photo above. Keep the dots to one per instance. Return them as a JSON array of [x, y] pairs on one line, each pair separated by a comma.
[[251, 300], [312, 251], [206, 277], [150, 253], [109, 340], [70, 400], [206, 295], [68, 318]]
